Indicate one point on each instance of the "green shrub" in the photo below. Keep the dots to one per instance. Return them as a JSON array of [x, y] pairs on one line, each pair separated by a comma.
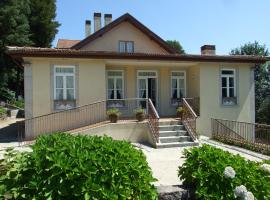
[[113, 111], [139, 111], [3, 113], [17, 103], [267, 162], [63, 166], [204, 170]]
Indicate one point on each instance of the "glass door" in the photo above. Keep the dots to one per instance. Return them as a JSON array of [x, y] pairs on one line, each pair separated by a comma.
[[147, 86]]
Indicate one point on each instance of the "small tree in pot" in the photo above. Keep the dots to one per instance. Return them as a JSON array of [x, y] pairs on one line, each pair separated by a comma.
[[140, 114], [113, 114], [180, 112]]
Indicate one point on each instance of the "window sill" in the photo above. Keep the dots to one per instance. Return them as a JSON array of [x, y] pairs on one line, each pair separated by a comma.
[[229, 102], [64, 104], [115, 103]]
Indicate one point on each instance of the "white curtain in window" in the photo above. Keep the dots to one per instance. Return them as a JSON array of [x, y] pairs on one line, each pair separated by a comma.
[[64, 83]]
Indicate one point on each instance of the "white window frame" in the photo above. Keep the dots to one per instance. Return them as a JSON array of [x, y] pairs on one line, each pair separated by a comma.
[[228, 76], [178, 81], [114, 79], [125, 49], [64, 81]]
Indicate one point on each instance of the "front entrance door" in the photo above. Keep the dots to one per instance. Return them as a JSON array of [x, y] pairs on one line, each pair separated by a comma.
[[147, 86]]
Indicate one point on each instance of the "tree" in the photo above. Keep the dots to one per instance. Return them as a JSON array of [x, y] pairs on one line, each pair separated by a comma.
[[261, 75], [14, 31], [176, 45], [43, 26], [23, 23]]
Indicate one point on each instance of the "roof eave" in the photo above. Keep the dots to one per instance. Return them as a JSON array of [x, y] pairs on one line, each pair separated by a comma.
[[190, 58]]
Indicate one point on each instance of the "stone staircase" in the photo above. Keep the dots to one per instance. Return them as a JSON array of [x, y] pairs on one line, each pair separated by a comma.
[[173, 134]]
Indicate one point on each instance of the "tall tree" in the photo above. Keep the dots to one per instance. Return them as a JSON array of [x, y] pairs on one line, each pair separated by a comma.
[[42, 22], [14, 31], [23, 23], [176, 45], [262, 78]]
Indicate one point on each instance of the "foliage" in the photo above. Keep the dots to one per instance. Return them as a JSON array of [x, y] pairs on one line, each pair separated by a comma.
[[180, 109], [262, 76], [18, 103], [113, 111], [6, 94], [267, 162], [204, 169], [23, 23], [263, 112], [176, 45], [42, 22], [139, 111], [63, 166], [3, 112], [14, 30]]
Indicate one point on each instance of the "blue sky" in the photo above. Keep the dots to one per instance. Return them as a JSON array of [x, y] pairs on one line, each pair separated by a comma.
[[225, 23]]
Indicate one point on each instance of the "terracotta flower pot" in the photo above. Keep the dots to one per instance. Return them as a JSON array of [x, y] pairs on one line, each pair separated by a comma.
[[113, 118], [140, 116]]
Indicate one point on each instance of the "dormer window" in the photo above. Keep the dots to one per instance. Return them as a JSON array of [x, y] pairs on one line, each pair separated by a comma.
[[126, 46]]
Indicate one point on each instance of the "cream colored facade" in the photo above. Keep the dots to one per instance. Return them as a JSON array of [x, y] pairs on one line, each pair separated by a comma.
[[202, 80], [124, 32]]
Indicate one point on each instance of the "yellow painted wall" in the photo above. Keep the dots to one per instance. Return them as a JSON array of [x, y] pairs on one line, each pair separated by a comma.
[[90, 80], [203, 80], [41, 87], [210, 101], [127, 32]]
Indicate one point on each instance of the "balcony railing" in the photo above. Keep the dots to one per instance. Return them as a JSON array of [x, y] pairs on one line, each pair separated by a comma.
[[189, 117], [248, 135]]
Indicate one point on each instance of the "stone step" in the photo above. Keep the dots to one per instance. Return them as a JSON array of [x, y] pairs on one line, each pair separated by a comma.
[[176, 144], [171, 122], [172, 139], [171, 127], [173, 133]]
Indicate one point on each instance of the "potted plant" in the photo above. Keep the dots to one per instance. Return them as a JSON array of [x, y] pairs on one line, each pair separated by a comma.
[[113, 114], [179, 112], [140, 114]]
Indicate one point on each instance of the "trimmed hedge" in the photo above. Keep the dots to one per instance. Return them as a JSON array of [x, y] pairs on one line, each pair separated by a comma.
[[63, 166], [204, 170]]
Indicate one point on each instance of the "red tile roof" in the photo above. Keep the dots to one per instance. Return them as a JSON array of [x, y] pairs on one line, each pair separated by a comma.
[[20, 52], [65, 44]]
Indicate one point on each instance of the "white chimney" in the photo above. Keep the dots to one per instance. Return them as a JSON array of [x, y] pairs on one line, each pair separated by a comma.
[[208, 50], [107, 19], [97, 21], [87, 28]]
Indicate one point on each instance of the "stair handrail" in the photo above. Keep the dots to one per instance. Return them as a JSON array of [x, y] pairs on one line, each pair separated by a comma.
[[189, 119], [153, 120]]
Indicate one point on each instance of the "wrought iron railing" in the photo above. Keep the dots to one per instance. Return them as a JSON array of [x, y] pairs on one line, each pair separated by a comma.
[[194, 103], [248, 135], [189, 119], [78, 117], [153, 120]]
